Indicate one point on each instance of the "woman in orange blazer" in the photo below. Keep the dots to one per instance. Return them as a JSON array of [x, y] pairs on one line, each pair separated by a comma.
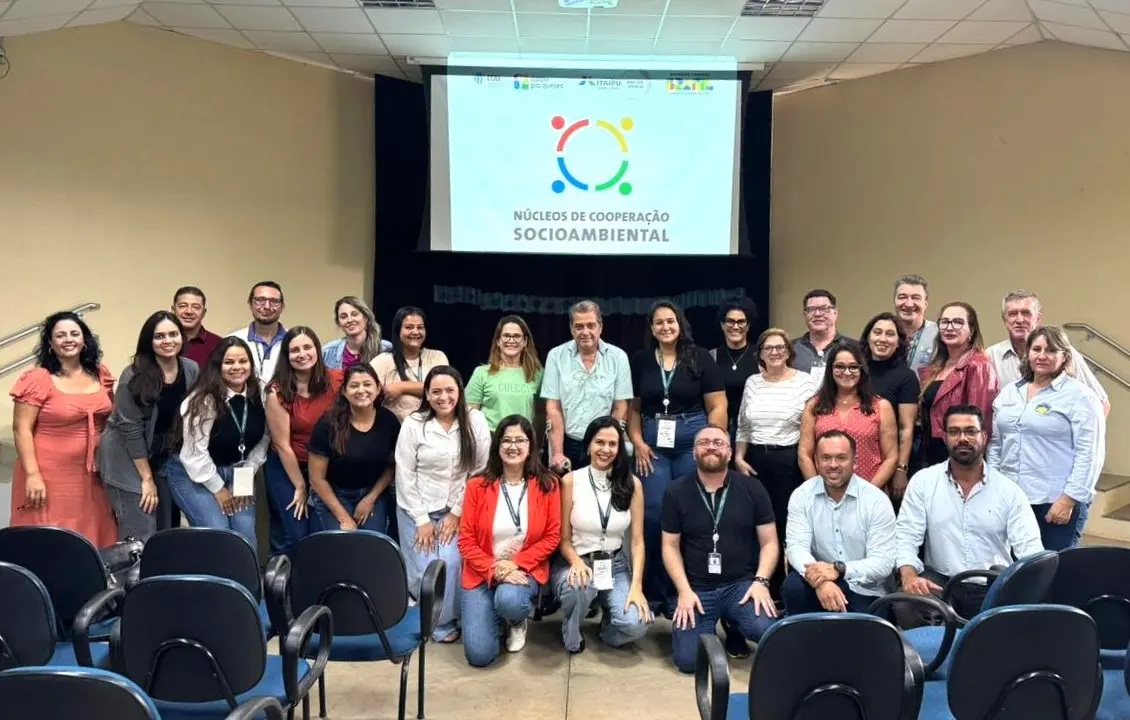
[[960, 373], [511, 525]]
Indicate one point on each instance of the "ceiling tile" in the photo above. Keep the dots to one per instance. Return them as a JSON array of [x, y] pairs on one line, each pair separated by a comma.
[[1031, 34], [733, 8], [320, 3], [551, 6], [1117, 21], [985, 32], [186, 16], [421, 45], [191, 2], [911, 31], [471, 43], [695, 28], [886, 52], [598, 46], [23, 9], [1003, 10], [947, 51], [937, 9], [368, 64], [1122, 6], [268, 3], [880, 9], [556, 46], [1054, 12], [282, 41], [4, 5], [350, 43], [786, 73], [764, 51], [407, 22], [811, 52], [623, 27], [258, 18], [632, 7], [852, 70], [498, 5], [548, 25], [101, 15], [334, 20], [33, 25], [140, 17], [466, 22], [105, 4], [227, 37], [839, 30], [768, 28], [688, 47], [1086, 36]]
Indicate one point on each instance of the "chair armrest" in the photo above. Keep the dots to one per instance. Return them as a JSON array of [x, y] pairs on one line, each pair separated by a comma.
[[276, 594], [961, 577], [257, 706], [932, 603], [80, 633], [711, 679], [913, 680], [433, 585], [316, 618]]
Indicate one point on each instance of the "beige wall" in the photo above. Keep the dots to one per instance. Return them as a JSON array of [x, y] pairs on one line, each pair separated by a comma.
[[133, 161], [984, 174]]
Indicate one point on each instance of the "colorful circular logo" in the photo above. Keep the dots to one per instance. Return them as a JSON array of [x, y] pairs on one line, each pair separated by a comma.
[[559, 186]]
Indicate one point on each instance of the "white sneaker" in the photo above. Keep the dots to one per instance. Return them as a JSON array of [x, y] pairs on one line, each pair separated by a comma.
[[516, 638]]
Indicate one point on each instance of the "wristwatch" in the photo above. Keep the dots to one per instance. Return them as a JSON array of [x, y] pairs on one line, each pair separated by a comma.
[[840, 568]]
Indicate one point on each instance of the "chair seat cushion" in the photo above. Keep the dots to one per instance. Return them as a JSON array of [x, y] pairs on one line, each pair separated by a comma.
[[927, 641], [404, 637], [935, 701], [65, 655], [1115, 702], [265, 617], [102, 629], [1113, 659], [737, 707], [271, 684]]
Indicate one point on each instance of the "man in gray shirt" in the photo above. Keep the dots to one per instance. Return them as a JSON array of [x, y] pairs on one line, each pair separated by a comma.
[[820, 315], [912, 297]]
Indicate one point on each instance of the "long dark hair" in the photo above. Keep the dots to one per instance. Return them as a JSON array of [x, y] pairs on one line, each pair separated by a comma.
[[620, 472], [340, 413], [684, 346], [427, 412], [398, 349], [89, 357], [148, 377], [532, 468], [865, 337], [285, 381], [210, 394], [826, 396]]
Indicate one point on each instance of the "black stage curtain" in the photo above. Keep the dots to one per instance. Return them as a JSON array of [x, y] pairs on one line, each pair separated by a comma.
[[465, 294]]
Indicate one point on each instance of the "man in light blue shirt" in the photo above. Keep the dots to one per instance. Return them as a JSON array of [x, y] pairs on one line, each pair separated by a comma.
[[840, 537], [584, 379]]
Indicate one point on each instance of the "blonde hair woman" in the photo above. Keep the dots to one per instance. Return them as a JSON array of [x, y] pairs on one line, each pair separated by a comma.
[[362, 341], [509, 383]]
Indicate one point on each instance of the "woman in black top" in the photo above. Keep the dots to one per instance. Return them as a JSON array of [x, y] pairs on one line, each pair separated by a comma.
[[351, 456], [678, 390], [734, 357], [884, 346]]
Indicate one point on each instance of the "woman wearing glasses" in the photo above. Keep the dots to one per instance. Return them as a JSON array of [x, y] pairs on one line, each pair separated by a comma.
[[847, 402], [959, 373], [735, 357], [509, 383]]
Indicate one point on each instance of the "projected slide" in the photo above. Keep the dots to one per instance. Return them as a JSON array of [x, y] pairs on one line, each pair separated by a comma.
[[620, 162]]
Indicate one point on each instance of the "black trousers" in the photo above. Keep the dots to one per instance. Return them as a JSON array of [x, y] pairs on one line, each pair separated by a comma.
[[776, 467]]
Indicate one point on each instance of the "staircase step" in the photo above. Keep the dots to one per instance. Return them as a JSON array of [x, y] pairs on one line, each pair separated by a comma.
[[1110, 482], [1122, 513]]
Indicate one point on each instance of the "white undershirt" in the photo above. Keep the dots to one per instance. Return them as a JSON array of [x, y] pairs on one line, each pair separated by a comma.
[[507, 539]]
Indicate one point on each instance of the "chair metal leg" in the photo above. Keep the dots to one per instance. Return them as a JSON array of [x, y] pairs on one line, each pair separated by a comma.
[[306, 707], [403, 686], [322, 696], [420, 684], [290, 713]]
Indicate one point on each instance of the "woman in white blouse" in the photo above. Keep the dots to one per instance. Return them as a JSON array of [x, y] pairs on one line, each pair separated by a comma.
[[599, 503], [769, 427], [439, 448]]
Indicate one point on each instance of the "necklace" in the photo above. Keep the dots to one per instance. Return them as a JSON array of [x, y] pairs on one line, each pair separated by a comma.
[[734, 366]]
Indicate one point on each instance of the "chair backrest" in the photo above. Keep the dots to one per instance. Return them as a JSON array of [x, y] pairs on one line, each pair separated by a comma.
[[184, 637], [1025, 581], [64, 693], [1096, 580], [67, 563], [848, 666], [350, 572], [203, 551], [27, 620], [1023, 662]]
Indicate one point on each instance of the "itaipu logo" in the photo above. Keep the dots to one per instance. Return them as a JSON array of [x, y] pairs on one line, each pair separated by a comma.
[[559, 124]]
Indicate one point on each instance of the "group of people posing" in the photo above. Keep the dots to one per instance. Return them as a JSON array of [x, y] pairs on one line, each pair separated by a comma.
[[673, 483]]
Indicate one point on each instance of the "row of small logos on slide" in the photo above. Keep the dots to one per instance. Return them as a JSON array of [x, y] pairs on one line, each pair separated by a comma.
[[637, 85]]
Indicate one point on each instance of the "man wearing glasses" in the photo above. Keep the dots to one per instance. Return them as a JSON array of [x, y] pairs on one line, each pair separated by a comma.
[[820, 315], [265, 332]]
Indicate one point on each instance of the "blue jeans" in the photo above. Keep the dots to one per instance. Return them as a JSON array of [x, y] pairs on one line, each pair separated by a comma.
[[483, 607], [669, 464], [349, 498], [618, 626], [721, 603], [199, 505], [416, 563], [1061, 537], [800, 597], [286, 530]]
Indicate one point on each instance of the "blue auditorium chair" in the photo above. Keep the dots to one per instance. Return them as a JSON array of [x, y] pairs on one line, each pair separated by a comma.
[[816, 666], [1115, 702], [1096, 580]]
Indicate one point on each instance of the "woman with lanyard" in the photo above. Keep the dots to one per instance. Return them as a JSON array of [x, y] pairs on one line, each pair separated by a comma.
[[735, 357], [678, 391], [506, 541], [403, 369], [599, 503], [224, 443]]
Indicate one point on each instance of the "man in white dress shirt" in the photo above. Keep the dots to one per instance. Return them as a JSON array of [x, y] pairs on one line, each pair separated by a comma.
[[968, 516], [840, 541]]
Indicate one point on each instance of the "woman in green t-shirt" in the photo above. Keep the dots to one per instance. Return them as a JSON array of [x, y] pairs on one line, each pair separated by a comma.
[[510, 382]]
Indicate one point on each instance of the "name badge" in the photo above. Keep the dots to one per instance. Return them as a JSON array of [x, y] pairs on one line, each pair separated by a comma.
[[601, 571], [714, 563], [243, 481], [665, 433], [817, 372]]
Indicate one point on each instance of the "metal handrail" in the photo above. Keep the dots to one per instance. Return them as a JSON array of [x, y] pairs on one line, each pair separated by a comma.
[[1105, 370], [1093, 334], [30, 331]]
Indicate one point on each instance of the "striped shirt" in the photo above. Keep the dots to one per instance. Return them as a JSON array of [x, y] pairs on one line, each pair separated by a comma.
[[770, 412]]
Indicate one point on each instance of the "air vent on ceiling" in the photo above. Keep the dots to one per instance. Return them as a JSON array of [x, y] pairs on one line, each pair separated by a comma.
[[403, 4], [782, 8]]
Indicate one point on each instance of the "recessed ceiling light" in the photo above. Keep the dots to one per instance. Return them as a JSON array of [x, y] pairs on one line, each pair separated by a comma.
[[782, 8], [403, 4], [586, 4]]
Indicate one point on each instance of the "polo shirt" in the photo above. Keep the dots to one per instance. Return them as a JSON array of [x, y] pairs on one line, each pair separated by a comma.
[[200, 348], [585, 394], [808, 357]]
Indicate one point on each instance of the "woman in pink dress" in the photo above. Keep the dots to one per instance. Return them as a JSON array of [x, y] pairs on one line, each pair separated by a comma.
[[60, 410]]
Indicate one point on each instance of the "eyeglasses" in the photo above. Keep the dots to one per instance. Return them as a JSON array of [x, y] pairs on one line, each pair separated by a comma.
[[846, 369], [774, 349], [1046, 352], [819, 309], [955, 323], [267, 302], [513, 337], [966, 432], [513, 442], [712, 442], [730, 323]]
